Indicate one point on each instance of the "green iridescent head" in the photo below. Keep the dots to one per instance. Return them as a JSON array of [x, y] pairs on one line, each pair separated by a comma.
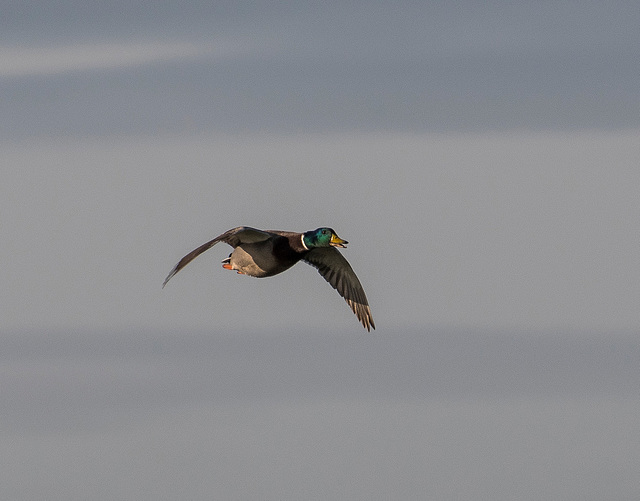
[[322, 237]]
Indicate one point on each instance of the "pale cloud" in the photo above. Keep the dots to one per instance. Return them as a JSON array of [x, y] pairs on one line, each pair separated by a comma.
[[43, 60]]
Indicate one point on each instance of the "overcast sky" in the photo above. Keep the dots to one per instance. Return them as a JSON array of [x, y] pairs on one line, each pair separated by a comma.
[[482, 159]]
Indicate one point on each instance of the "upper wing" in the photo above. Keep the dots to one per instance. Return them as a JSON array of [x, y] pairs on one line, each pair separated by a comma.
[[234, 237], [338, 272]]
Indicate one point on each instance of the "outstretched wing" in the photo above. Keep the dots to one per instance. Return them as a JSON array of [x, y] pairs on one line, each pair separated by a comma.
[[234, 237], [338, 272]]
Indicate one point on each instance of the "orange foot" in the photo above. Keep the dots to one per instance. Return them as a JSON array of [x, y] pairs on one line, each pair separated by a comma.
[[227, 266]]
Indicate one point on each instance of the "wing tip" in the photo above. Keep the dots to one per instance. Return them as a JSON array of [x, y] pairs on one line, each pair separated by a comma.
[[363, 313], [368, 323], [169, 276]]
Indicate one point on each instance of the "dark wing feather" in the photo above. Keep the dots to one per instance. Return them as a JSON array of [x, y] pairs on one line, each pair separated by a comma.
[[338, 272], [233, 237]]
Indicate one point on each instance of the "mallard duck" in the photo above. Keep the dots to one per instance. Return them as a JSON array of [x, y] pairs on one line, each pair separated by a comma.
[[260, 253]]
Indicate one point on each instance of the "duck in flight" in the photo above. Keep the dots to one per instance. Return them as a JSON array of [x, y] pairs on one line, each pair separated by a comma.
[[260, 253]]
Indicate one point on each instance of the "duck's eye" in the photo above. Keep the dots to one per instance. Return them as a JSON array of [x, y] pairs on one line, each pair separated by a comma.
[[324, 232]]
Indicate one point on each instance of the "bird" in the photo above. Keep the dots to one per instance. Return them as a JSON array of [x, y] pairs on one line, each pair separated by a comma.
[[264, 253]]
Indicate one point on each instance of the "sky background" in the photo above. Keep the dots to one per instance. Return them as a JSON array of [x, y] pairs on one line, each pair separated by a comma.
[[483, 161]]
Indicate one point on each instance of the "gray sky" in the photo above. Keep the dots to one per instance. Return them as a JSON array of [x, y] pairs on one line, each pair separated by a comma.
[[482, 160]]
